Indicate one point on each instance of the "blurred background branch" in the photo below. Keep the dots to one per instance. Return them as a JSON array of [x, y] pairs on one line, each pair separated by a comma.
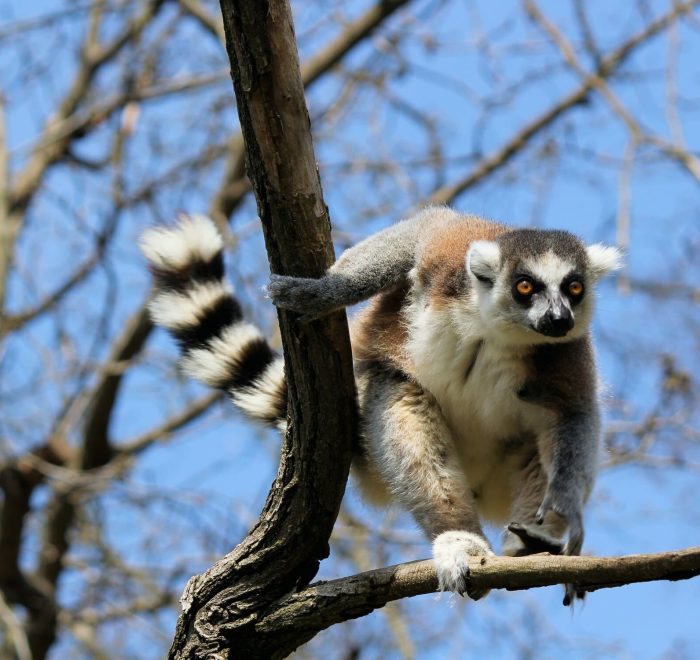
[[119, 479]]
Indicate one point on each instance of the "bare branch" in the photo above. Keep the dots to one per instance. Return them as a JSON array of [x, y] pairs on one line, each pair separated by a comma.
[[352, 34], [16, 321], [4, 164], [598, 82], [234, 184], [302, 615], [212, 24], [14, 630], [27, 182], [522, 138]]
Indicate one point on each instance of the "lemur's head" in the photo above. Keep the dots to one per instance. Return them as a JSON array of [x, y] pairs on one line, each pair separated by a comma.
[[536, 286]]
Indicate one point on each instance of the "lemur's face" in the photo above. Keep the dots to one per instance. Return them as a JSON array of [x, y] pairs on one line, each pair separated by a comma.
[[536, 286]]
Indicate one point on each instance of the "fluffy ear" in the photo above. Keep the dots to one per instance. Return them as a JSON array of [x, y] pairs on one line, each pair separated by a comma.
[[603, 259], [483, 260]]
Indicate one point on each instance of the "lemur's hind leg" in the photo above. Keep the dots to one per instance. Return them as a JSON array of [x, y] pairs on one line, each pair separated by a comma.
[[408, 441], [528, 537], [525, 536]]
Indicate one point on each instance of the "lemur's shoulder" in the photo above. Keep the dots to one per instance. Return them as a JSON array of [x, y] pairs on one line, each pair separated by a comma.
[[380, 330], [441, 261]]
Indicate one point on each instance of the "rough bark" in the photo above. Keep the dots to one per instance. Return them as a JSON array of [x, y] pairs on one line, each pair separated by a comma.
[[301, 616], [283, 550]]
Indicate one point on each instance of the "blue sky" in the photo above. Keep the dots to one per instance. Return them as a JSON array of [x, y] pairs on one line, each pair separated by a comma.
[[220, 468]]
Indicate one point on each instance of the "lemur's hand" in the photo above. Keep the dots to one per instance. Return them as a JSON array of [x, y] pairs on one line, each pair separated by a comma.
[[310, 297], [568, 506], [314, 298]]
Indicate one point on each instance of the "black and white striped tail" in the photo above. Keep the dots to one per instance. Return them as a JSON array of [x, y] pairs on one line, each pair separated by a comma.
[[196, 305]]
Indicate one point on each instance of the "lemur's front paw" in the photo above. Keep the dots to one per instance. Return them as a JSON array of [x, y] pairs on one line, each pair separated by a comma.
[[451, 552], [569, 508], [295, 293], [304, 295]]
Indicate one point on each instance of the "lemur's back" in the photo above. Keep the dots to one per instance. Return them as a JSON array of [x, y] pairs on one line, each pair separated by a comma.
[[380, 332]]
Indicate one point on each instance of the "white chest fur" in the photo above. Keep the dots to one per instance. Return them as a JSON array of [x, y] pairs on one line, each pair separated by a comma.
[[475, 382]]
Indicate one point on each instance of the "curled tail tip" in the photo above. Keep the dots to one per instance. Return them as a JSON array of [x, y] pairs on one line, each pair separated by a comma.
[[191, 296], [194, 238], [194, 302]]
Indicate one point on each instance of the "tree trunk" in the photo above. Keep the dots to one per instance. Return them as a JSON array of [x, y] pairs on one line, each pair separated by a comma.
[[283, 550]]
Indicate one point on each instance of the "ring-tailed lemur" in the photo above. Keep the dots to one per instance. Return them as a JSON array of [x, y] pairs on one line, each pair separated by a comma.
[[476, 375]]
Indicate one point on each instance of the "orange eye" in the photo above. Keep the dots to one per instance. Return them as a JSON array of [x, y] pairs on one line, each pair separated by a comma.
[[524, 287], [575, 288]]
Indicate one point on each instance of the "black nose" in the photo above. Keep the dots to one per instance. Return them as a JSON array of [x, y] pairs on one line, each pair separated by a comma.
[[556, 324]]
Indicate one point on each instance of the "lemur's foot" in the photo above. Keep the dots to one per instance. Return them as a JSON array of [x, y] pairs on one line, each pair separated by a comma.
[[522, 540], [573, 593], [451, 552]]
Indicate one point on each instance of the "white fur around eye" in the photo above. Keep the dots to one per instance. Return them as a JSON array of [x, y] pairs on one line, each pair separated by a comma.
[[603, 259], [483, 258]]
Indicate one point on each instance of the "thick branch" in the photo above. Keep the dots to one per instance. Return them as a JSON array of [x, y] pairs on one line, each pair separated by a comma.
[[301, 616], [284, 548]]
